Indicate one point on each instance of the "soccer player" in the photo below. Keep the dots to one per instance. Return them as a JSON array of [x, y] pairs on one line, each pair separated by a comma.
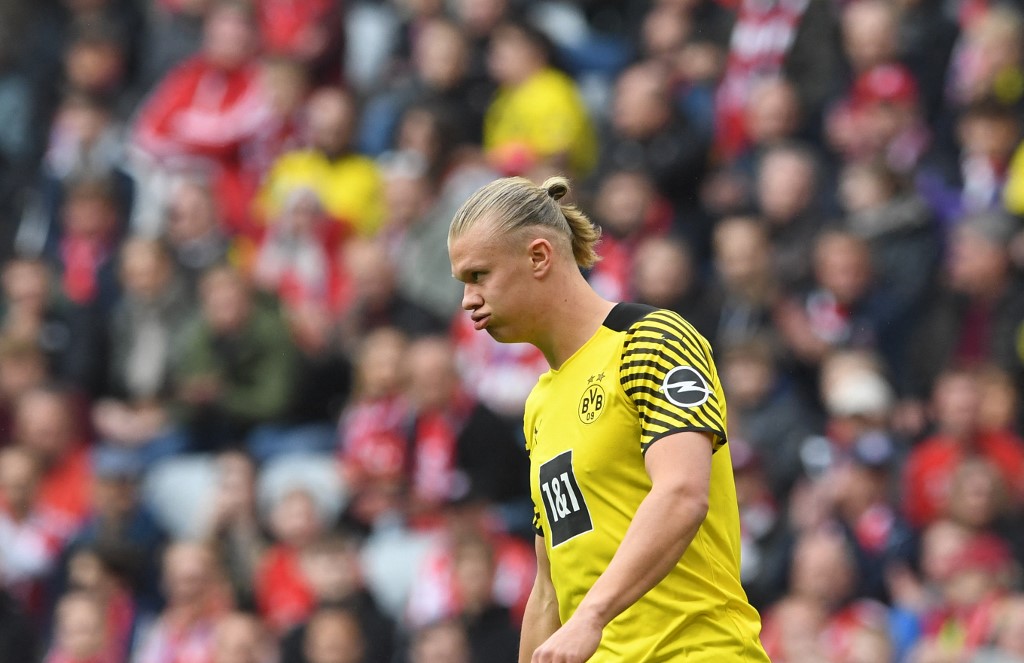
[[635, 509]]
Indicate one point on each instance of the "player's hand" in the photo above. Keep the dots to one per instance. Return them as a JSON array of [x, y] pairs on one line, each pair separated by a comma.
[[575, 642]]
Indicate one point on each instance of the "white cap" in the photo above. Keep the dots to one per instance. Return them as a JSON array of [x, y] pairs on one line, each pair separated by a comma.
[[860, 392]]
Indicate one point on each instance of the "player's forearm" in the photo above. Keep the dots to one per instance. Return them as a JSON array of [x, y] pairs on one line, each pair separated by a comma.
[[539, 621], [664, 525]]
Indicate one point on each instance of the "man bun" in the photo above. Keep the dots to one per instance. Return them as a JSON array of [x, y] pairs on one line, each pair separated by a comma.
[[557, 187]]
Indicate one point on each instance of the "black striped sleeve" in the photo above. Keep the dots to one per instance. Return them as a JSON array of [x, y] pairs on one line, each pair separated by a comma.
[[668, 372]]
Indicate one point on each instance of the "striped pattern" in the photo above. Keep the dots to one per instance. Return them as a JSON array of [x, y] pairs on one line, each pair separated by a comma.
[[655, 344]]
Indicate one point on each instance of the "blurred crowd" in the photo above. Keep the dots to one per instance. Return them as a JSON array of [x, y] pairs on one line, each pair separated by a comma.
[[243, 419]]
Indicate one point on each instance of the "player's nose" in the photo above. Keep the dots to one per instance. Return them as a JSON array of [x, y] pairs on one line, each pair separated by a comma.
[[471, 299]]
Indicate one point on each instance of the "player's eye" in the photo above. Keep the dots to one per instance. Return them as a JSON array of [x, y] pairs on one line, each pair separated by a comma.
[[474, 277]]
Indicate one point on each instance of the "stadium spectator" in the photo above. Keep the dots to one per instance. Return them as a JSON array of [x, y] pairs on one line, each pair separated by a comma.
[[323, 384], [439, 77], [881, 119], [45, 427], [202, 113], [376, 300], [976, 581], [767, 412], [488, 625], [664, 274], [332, 568], [822, 582], [932, 463], [309, 31], [347, 183], [154, 311], [976, 317], [792, 630], [856, 395], [870, 34], [764, 534], [917, 591], [80, 635], [95, 62], [480, 18], [241, 638], [85, 142], [772, 117], [628, 209], [470, 522], [371, 444], [841, 310], [1007, 643], [334, 636], [794, 39], [457, 444], [233, 528], [426, 131], [416, 234], [859, 492], [988, 53], [904, 243], [236, 367], [122, 525], [1000, 400], [978, 499], [746, 282], [443, 641], [287, 85], [69, 335], [31, 532], [84, 255], [194, 233], [196, 600], [975, 177], [786, 195], [415, 16], [23, 367], [649, 134], [299, 259], [283, 594], [537, 115], [102, 572]]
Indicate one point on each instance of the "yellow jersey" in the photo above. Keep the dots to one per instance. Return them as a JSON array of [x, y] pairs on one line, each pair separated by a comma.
[[350, 188], [547, 116], [645, 374]]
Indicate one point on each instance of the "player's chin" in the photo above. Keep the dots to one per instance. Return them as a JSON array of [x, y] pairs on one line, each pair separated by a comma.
[[502, 334]]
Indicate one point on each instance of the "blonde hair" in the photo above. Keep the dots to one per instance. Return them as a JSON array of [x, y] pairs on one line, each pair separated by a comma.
[[515, 203]]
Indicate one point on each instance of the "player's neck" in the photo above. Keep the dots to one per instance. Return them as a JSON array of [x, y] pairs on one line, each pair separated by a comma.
[[575, 313]]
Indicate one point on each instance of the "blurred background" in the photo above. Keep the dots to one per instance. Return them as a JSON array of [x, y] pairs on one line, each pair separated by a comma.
[[243, 419]]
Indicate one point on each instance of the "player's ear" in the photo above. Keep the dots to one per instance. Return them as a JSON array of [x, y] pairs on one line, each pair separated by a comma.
[[541, 254]]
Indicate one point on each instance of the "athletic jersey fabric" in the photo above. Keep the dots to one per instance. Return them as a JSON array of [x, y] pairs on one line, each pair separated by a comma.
[[644, 375]]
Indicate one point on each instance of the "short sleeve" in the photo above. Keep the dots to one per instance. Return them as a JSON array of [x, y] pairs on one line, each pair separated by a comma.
[[668, 372]]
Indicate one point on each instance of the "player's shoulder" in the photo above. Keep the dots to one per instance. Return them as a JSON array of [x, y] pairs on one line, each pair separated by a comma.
[[641, 320], [625, 315]]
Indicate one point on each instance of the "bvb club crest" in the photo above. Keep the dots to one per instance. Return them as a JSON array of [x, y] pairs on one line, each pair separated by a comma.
[[592, 401]]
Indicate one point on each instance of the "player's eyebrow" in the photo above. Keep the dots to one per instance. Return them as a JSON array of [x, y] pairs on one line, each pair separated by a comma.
[[461, 274]]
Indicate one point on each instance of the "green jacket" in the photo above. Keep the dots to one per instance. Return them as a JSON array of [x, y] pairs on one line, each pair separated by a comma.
[[256, 367]]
